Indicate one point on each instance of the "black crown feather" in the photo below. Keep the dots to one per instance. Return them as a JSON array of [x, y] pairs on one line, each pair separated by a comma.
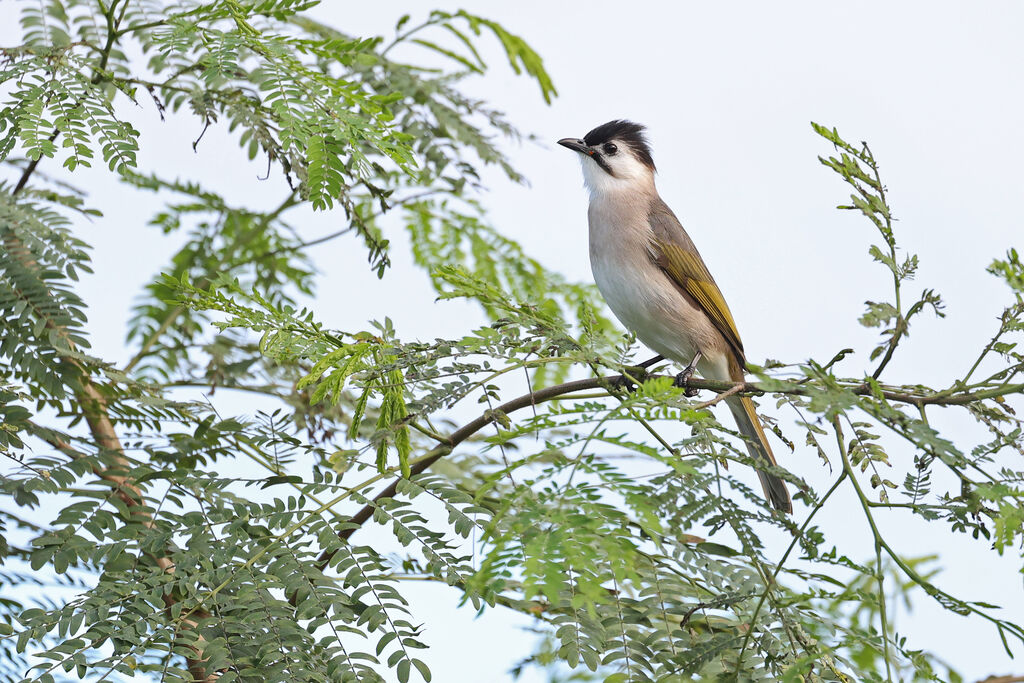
[[624, 131]]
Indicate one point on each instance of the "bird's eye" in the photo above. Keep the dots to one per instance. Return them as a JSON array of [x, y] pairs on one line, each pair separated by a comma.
[[610, 149]]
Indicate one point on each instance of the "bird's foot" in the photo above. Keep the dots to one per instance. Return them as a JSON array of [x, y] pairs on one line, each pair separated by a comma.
[[683, 377]]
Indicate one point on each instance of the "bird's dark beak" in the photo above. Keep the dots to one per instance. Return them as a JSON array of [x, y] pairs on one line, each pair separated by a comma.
[[577, 145]]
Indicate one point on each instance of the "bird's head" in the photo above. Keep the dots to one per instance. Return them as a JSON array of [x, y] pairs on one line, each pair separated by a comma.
[[615, 156]]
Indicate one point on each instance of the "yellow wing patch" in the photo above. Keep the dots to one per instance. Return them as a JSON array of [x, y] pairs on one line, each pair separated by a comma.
[[690, 273]]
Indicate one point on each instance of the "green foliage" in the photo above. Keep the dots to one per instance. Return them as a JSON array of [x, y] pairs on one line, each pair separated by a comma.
[[42, 315], [857, 166], [521, 56], [151, 536]]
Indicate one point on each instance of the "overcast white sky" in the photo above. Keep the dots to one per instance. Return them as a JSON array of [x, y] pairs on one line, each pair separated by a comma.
[[727, 90]]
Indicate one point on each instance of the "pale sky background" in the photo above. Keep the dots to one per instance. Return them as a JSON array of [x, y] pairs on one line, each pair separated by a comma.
[[727, 91]]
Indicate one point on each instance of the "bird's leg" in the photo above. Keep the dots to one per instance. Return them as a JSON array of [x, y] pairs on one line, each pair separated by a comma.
[[634, 374], [683, 377]]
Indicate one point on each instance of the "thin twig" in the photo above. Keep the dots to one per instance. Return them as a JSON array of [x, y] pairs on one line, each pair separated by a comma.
[[721, 397], [30, 169], [879, 576], [778, 567]]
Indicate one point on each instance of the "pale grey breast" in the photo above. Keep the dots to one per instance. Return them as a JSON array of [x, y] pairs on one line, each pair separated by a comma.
[[638, 292]]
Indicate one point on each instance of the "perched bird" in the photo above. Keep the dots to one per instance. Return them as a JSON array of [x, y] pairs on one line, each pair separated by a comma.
[[653, 277]]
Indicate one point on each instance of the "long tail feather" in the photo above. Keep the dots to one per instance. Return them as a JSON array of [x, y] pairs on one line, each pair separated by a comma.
[[757, 443]]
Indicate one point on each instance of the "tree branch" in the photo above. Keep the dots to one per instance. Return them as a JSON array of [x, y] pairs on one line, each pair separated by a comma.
[[94, 410], [31, 168], [720, 387]]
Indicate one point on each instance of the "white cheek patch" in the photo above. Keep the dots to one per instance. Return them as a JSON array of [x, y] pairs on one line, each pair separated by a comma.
[[626, 166], [629, 174]]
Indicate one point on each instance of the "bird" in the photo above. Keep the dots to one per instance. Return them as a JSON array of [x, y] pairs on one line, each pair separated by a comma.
[[654, 280]]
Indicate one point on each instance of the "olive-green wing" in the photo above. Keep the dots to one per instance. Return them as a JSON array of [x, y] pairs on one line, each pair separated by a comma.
[[675, 253]]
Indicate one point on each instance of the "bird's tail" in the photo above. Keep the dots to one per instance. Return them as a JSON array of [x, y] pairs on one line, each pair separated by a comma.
[[757, 443]]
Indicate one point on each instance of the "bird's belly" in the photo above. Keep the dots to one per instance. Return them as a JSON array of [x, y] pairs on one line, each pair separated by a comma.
[[646, 302]]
